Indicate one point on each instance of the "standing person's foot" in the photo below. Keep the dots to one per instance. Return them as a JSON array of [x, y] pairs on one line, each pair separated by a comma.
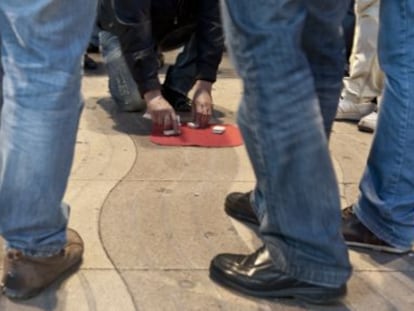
[[26, 276], [238, 206], [368, 123], [350, 111], [178, 101], [256, 275], [356, 234]]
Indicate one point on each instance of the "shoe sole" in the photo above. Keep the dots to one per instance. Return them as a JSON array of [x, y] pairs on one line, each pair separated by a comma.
[[310, 295], [365, 129], [14, 295], [387, 249], [241, 217]]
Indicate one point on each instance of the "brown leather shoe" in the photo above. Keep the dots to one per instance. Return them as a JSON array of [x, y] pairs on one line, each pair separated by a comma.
[[25, 276], [357, 235]]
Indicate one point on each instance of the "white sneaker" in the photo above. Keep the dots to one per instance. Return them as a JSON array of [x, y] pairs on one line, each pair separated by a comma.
[[368, 123], [348, 110]]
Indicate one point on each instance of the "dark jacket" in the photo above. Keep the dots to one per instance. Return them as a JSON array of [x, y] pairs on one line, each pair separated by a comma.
[[141, 25]]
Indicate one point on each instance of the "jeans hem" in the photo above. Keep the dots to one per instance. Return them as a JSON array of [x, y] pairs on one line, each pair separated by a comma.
[[44, 252], [318, 274], [377, 229]]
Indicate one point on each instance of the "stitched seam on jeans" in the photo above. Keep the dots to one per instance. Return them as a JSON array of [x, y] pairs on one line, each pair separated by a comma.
[[378, 229]]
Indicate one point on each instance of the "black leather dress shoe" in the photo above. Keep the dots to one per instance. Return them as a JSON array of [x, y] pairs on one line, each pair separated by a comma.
[[256, 275], [238, 206]]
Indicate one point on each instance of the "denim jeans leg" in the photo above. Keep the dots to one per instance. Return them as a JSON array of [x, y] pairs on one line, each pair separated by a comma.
[[280, 118], [42, 43], [181, 76], [122, 86], [324, 49], [1, 81], [386, 203]]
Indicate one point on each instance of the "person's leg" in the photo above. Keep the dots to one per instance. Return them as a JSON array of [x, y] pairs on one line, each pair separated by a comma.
[[365, 80], [1, 81], [42, 42], [327, 84], [122, 86], [386, 204], [324, 51], [296, 197], [181, 76], [349, 30]]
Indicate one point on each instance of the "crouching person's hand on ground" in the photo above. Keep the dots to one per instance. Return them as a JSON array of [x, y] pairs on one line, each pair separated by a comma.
[[202, 103], [162, 114]]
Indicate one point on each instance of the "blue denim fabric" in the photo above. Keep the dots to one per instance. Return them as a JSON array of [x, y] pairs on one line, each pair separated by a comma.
[[180, 76], [386, 204], [289, 55], [42, 42], [122, 86]]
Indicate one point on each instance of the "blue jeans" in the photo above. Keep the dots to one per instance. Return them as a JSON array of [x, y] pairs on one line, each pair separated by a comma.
[[42, 42], [180, 76], [122, 86], [289, 55], [386, 203]]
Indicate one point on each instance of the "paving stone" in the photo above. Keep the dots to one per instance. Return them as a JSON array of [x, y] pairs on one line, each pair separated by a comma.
[[167, 224], [192, 291], [87, 290]]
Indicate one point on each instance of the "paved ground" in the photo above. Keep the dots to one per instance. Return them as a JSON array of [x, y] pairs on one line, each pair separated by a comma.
[[152, 218]]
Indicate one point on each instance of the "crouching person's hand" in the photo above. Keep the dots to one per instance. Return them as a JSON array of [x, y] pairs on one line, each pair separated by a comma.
[[202, 103], [161, 112]]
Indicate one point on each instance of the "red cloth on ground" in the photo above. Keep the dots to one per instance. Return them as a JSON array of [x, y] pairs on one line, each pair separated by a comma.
[[201, 137]]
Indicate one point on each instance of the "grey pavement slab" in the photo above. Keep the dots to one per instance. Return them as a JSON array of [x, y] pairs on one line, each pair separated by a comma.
[[152, 218]]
